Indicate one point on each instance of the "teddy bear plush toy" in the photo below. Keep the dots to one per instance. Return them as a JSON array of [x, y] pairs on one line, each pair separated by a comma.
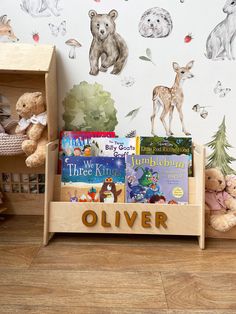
[[219, 199], [31, 108]]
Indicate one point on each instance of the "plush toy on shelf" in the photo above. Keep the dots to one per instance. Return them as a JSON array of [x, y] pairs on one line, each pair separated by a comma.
[[219, 199], [31, 108]]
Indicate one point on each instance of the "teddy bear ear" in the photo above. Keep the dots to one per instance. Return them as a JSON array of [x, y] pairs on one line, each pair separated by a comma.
[[38, 94], [92, 13], [113, 14]]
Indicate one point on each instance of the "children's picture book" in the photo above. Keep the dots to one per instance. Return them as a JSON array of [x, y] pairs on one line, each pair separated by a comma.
[[77, 143], [157, 179], [166, 146], [113, 147], [93, 179]]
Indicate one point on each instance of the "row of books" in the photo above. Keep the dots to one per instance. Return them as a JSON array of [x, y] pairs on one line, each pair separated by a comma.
[[116, 173], [81, 143]]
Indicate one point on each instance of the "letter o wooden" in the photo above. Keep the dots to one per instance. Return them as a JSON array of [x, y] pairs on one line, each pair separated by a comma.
[[85, 218]]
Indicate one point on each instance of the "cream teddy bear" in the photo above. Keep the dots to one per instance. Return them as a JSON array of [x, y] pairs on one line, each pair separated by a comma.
[[221, 204], [31, 108]]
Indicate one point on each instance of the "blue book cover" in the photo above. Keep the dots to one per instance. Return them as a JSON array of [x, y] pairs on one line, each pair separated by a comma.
[[90, 179], [157, 179]]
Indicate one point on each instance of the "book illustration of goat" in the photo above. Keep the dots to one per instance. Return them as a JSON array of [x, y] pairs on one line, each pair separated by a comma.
[[40, 8], [219, 43], [170, 97], [6, 31]]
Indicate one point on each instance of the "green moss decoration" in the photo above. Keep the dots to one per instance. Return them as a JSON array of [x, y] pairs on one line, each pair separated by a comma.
[[89, 108]]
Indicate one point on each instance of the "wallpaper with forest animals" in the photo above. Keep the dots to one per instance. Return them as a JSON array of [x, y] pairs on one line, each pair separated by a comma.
[[120, 62]]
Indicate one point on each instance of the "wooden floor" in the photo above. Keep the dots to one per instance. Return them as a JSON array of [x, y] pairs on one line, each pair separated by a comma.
[[112, 274]]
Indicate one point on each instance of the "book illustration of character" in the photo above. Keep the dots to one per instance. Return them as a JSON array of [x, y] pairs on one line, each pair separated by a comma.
[[219, 43], [87, 151], [170, 98], [153, 190], [137, 192], [157, 199], [147, 177], [73, 198], [108, 192], [93, 196], [83, 198], [6, 31], [40, 8], [77, 151], [107, 48]]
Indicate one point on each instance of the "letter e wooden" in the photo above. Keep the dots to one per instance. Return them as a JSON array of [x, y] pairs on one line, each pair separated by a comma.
[[146, 220]]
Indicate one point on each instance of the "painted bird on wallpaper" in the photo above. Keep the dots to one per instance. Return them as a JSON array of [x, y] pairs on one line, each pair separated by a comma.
[[170, 98], [40, 8], [219, 43], [107, 48]]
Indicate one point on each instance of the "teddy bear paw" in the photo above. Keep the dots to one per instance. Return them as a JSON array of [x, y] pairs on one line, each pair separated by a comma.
[[223, 223], [35, 160], [29, 147]]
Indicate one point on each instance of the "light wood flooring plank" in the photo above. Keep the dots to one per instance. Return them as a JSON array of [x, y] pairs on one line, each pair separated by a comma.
[[128, 258], [21, 229], [83, 289], [200, 290], [17, 256]]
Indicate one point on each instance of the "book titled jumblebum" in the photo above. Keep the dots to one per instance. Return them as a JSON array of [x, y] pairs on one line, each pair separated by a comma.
[[157, 179], [93, 179]]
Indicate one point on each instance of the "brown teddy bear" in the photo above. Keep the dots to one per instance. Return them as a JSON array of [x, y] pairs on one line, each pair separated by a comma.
[[31, 108], [221, 204]]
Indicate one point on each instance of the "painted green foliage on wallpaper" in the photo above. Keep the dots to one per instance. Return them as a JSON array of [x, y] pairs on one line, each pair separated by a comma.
[[219, 157], [89, 108]]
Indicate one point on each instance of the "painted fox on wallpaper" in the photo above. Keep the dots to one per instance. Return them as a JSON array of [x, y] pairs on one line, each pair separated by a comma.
[[170, 97], [220, 41], [40, 8], [6, 32], [107, 48]]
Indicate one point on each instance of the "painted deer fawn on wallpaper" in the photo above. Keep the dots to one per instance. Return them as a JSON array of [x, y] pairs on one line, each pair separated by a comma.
[[171, 97], [6, 32]]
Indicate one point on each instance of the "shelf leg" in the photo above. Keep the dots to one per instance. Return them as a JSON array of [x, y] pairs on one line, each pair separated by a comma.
[[201, 242]]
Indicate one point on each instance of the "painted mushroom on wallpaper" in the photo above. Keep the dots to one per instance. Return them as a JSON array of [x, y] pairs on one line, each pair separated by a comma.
[[108, 48], [219, 43], [155, 23]]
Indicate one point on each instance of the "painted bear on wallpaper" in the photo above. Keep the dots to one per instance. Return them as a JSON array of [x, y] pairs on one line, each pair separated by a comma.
[[40, 8], [108, 48], [220, 41], [155, 23]]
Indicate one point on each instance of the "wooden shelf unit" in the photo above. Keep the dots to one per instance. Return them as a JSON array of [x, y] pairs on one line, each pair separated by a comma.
[[188, 220], [27, 68]]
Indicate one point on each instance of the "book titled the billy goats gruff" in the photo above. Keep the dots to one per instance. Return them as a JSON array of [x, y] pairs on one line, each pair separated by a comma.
[[157, 179], [93, 179], [166, 146]]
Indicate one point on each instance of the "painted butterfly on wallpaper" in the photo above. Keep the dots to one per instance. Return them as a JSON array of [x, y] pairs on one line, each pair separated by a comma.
[[222, 92], [56, 30]]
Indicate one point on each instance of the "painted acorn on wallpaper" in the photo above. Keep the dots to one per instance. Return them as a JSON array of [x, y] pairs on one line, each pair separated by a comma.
[[171, 97], [219, 43], [108, 48]]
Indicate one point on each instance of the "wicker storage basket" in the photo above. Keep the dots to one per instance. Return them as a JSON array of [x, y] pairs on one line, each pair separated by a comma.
[[10, 144]]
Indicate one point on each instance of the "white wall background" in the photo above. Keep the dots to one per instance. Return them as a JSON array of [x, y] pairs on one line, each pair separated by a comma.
[[198, 17]]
